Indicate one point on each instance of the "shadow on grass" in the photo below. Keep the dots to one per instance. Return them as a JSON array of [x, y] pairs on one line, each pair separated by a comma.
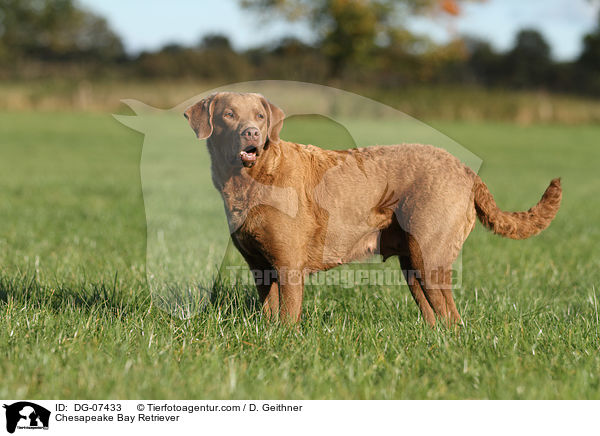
[[26, 290], [119, 300]]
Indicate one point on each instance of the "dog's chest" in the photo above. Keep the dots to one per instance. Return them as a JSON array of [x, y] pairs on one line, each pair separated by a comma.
[[242, 194]]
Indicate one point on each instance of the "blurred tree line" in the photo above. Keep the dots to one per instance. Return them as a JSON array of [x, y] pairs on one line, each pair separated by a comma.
[[56, 30], [357, 42]]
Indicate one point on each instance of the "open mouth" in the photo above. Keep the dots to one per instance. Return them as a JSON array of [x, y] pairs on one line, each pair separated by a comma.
[[248, 156]]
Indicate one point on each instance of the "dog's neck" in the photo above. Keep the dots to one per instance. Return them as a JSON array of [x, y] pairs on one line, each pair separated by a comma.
[[243, 188]]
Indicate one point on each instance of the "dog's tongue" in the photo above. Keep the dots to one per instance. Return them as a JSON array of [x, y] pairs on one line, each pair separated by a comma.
[[248, 158]]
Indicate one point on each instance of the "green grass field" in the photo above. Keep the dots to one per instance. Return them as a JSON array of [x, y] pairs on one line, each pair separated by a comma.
[[77, 320]]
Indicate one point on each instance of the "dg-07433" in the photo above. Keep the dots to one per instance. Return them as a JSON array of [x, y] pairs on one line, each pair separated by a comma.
[[97, 407]]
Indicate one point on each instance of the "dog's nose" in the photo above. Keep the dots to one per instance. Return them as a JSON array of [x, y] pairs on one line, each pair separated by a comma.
[[251, 134]]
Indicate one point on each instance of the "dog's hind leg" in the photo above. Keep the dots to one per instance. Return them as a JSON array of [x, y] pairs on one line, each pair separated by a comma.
[[415, 289], [453, 315], [436, 285], [437, 301], [395, 241], [440, 282]]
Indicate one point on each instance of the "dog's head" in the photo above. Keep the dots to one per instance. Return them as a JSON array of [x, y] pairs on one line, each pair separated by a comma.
[[239, 127]]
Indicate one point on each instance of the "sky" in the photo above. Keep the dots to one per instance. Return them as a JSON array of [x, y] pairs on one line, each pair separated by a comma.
[[150, 24]]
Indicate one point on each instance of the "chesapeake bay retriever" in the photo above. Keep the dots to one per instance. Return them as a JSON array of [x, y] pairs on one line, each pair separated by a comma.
[[294, 209]]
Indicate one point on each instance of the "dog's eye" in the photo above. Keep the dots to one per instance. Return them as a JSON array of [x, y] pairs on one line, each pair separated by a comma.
[[260, 116], [228, 114]]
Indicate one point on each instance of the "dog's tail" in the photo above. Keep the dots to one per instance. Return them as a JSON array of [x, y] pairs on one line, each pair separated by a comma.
[[517, 225]]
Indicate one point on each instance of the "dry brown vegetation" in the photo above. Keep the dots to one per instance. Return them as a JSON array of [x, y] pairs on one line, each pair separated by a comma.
[[423, 102]]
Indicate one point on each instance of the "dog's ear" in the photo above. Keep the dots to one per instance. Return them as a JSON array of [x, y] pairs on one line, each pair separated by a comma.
[[274, 120], [200, 115]]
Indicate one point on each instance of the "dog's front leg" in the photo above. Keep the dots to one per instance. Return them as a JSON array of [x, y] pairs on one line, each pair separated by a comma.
[[265, 277], [291, 287], [269, 298]]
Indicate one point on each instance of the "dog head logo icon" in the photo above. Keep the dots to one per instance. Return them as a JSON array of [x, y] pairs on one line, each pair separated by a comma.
[[26, 415]]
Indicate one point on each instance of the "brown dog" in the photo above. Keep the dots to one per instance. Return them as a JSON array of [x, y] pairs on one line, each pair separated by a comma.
[[295, 209]]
